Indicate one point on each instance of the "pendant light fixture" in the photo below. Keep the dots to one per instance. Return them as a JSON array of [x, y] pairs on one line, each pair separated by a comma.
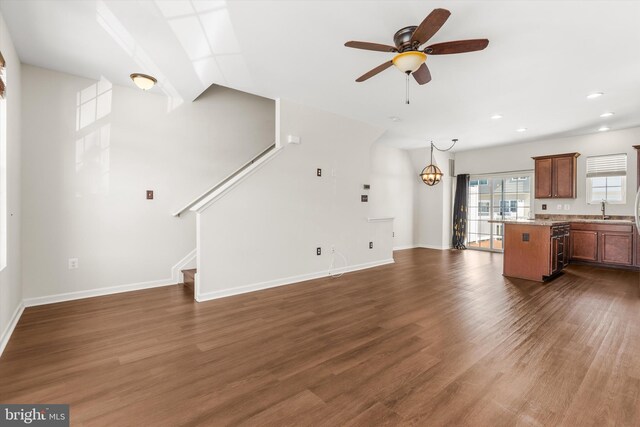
[[432, 175], [143, 81]]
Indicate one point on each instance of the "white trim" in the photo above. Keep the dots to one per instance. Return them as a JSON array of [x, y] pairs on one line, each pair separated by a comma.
[[176, 270], [440, 248], [382, 219], [286, 281], [70, 296], [196, 287], [8, 331], [402, 248], [224, 189], [277, 136]]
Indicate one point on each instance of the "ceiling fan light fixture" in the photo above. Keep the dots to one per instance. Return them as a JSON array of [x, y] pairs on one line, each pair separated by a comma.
[[143, 81], [408, 62]]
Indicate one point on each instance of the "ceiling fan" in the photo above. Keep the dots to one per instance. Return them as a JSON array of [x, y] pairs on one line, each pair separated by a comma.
[[410, 58]]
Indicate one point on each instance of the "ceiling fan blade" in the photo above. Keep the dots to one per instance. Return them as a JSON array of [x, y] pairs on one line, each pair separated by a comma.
[[375, 71], [430, 26], [371, 46], [459, 46], [422, 74]]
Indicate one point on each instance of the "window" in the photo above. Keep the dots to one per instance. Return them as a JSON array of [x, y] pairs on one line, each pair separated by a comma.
[[607, 179], [498, 197]]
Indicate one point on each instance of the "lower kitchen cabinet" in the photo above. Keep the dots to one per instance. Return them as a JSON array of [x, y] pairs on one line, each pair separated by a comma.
[[605, 244], [616, 248], [584, 245]]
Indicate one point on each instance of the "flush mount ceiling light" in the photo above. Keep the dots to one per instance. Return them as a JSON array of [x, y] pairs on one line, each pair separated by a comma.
[[431, 175], [607, 114], [595, 95], [603, 128], [521, 130], [143, 81], [496, 116]]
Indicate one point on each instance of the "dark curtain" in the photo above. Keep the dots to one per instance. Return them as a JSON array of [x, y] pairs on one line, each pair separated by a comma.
[[460, 212]]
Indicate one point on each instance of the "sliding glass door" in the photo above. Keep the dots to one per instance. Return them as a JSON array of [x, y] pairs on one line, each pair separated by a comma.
[[497, 197]]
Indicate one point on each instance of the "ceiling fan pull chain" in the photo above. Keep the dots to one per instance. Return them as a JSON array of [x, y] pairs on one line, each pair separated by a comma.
[[407, 102]]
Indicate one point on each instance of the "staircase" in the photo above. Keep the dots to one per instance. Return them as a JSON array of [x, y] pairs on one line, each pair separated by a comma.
[[189, 278]]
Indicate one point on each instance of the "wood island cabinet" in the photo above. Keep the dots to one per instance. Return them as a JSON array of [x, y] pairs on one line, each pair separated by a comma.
[[535, 251], [555, 176]]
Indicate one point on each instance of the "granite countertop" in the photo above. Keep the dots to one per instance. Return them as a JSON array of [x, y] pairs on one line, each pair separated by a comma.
[[558, 221], [604, 221], [541, 222]]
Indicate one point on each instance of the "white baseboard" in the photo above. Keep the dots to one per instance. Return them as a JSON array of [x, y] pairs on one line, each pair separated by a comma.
[[402, 248], [6, 334], [183, 264], [70, 296], [440, 248], [207, 296]]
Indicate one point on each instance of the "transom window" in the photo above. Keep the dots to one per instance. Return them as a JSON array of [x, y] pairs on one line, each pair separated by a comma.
[[607, 179]]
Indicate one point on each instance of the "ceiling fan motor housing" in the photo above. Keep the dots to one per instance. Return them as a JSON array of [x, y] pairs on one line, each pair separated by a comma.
[[402, 38]]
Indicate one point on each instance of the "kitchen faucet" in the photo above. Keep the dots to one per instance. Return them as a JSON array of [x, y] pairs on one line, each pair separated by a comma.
[[603, 208]]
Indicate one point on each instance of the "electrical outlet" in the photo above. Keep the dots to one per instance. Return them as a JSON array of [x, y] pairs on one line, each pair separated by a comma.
[[364, 198], [73, 263], [318, 172], [318, 251], [149, 194], [333, 250], [544, 206], [366, 187], [393, 234], [370, 245], [559, 207], [567, 207]]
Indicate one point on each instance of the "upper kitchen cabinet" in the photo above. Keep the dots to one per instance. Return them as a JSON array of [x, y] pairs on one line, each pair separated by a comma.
[[637, 147], [556, 176]]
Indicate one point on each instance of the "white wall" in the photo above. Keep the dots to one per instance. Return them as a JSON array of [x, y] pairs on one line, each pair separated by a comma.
[[86, 170], [393, 182], [518, 157], [265, 232], [432, 227], [10, 277]]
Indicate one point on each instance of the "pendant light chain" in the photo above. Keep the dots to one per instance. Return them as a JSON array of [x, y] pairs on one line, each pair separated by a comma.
[[407, 91], [431, 175]]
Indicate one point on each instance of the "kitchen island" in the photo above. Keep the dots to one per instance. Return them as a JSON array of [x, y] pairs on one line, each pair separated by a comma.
[[535, 249]]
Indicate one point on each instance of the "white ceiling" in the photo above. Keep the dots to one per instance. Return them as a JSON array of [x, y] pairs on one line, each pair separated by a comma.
[[542, 60]]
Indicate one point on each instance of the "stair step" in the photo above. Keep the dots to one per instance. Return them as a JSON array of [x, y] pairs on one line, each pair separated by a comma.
[[189, 277]]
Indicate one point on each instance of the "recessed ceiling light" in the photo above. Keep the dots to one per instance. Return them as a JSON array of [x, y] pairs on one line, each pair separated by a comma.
[[394, 119], [603, 128], [143, 81], [521, 130], [595, 95], [607, 114], [496, 116]]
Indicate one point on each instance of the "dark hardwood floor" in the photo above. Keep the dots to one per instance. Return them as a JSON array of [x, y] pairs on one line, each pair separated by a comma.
[[439, 338]]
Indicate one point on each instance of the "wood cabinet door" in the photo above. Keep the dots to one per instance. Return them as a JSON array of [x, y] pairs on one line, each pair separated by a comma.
[[616, 248], [584, 245], [563, 177], [544, 178]]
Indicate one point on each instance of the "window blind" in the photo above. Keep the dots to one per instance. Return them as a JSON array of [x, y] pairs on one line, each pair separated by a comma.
[[609, 165]]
